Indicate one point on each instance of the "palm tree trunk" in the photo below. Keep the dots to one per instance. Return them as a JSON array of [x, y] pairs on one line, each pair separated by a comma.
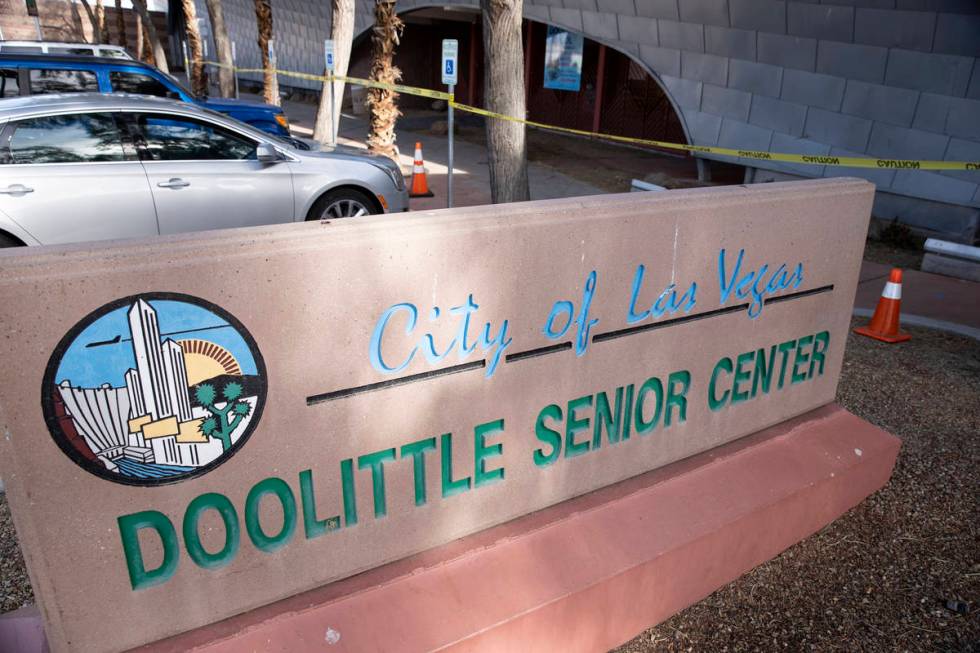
[[196, 50], [504, 92], [159, 56], [263, 18], [342, 33], [385, 35], [96, 34], [143, 53], [100, 19], [121, 26], [222, 44]]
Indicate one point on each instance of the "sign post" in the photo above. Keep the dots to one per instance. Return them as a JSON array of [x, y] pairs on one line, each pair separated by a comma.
[[450, 76], [234, 66], [328, 60], [187, 62], [272, 62]]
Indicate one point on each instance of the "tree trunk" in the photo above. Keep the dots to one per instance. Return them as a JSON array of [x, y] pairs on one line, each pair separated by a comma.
[[121, 26], [195, 50], [143, 53], [159, 56], [96, 34], [222, 44], [385, 35], [100, 19], [504, 93], [342, 33], [263, 18]]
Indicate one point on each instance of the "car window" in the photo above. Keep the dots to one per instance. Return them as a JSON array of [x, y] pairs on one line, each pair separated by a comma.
[[76, 138], [8, 82], [125, 82], [59, 80], [170, 138], [70, 50]]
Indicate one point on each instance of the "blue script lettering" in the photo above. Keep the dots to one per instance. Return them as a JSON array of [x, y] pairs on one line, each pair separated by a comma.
[[461, 342], [755, 282], [667, 302], [566, 307]]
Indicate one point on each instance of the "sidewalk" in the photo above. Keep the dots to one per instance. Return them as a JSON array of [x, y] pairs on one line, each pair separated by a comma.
[[471, 175], [928, 300]]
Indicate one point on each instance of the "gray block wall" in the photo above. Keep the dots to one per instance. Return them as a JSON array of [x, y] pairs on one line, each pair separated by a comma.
[[877, 78]]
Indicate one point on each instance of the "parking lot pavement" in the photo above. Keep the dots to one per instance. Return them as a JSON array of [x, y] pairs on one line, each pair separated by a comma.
[[471, 176]]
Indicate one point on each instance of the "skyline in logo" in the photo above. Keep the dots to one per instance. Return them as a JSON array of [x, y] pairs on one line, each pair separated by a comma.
[[154, 389]]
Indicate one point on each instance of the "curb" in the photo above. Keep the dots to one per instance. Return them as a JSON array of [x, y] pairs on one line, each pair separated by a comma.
[[928, 322]]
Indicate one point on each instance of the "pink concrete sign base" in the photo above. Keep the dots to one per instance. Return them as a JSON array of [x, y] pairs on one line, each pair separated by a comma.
[[592, 572]]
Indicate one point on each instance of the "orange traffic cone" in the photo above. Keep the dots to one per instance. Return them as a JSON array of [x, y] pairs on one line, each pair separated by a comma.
[[420, 186], [884, 323]]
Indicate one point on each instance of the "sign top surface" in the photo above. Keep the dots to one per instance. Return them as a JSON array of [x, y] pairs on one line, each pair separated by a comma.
[[198, 425]]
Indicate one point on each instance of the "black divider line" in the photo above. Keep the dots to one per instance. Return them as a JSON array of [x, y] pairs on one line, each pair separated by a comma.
[[540, 351], [650, 326], [381, 385], [552, 349], [802, 293]]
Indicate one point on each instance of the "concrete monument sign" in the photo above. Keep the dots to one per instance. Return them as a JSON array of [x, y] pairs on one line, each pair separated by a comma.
[[199, 425]]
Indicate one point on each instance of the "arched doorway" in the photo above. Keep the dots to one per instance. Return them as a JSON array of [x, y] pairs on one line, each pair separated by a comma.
[[617, 95]]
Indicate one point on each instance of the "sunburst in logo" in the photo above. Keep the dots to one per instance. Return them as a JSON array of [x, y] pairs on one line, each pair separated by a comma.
[[154, 389]]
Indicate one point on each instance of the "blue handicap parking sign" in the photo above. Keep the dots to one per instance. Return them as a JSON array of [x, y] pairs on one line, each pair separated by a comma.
[[449, 66]]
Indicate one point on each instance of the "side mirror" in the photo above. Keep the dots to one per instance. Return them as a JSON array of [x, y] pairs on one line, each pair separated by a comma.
[[266, 153]]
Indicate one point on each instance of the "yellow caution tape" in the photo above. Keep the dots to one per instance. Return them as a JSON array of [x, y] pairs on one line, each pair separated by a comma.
[[805, 159], [370, 83]]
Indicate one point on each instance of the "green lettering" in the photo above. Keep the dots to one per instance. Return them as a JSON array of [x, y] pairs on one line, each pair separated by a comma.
[[677, 398], [349, 491], [654, 385], [481, 452], [576, 425], [417, 451], [604, 417], [762, 372], [312, 526], [192, 540], [627, 413], [724, 365], [822, 338], [376, 461], [547, 435], [801, 357], [742, 373], [784, 350], [253, 524], [449, 486], [140, 577]]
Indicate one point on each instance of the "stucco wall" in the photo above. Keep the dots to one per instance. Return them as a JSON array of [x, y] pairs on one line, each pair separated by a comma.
[[883, 78]]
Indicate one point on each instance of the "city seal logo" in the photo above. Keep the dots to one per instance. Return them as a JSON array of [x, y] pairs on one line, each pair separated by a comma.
[[154, 389]]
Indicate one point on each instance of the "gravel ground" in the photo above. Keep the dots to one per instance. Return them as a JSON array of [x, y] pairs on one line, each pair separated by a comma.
[[15, 588], [878, 578]]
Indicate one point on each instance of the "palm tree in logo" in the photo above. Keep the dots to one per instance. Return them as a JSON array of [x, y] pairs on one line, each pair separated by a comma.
[[223, 421]]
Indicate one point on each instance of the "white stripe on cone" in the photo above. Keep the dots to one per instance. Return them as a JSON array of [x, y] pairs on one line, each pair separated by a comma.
[[892, 290]]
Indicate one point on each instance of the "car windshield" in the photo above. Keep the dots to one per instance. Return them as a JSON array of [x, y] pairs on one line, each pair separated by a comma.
[[183, 89]]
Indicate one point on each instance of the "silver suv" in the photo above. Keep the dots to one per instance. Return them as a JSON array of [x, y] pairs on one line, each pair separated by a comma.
[[94, 167]]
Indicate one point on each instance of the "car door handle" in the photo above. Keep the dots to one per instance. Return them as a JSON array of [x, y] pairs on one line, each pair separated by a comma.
[[16, 189], [175, 182]]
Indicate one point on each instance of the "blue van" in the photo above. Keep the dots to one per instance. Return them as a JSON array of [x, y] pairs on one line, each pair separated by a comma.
[[28, 74]]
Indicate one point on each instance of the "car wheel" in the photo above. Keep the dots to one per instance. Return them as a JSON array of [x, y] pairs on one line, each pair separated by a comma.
[[342, 203]]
